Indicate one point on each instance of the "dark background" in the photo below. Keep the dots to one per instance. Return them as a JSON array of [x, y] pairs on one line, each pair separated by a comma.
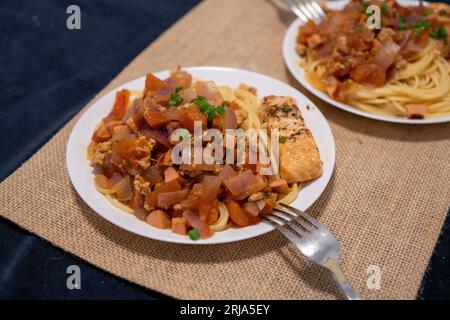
[[47, 74]]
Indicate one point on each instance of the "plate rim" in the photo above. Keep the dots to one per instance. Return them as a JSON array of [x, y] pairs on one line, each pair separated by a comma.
[[298, 73], [184, 240]]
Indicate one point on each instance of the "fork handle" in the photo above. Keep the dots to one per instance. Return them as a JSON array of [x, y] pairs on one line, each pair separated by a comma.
[[347, 290]]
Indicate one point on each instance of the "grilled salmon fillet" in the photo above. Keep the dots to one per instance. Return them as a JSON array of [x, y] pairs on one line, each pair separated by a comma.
[[299, 157]]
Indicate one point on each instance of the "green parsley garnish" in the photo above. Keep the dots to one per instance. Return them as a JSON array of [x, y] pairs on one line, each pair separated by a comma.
[[384, 9], [194, 234], [402, 19], [283, 139], [286, 108], [443, 12], [440, 33], [175, 99], [419, 26], [210, 110]]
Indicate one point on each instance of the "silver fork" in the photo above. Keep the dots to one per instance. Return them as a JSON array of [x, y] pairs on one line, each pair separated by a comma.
[[306, 9], [314, 240]]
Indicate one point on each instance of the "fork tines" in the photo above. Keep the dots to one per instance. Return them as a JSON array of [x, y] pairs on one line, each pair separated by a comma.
[[291, 217], [306, 9]]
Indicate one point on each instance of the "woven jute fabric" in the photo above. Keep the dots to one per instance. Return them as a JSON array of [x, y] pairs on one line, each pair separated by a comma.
[[386, 202]]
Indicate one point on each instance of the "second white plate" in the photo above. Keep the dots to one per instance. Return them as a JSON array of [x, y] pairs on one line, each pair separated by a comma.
[[292, 60]]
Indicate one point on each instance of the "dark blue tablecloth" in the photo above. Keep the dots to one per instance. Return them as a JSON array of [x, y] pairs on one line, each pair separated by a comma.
[[47, 74]]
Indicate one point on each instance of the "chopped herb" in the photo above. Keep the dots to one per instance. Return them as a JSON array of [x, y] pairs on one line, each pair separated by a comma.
[[220, 109], [210, 110], [202, 103], [175, 100], [194, 234], [443, 12], [419, 26], [283, 139], [286, 108], [103, 166], [178, 89], [440, 33], [384, 9], [402, 19]]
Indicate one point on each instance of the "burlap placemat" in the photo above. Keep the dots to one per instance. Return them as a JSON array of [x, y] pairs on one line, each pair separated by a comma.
[[386, 202]]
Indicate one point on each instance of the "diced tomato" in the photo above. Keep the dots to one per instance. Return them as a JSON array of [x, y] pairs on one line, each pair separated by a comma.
[[239, 216], [101, 134], [368, 74], [153, 84], [110, 124], [189, 115], [120, 104], [152, 197], [156, 119], [270, 203], [125, 148]]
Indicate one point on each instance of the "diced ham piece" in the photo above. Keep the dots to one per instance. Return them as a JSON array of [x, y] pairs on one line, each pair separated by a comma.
[[211, 187], [168, 199], [159, 219], [179, 226], [416, 111], [242, 183], [226, 173]]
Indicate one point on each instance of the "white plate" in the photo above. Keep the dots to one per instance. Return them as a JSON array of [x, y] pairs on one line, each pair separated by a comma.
[[292, 60], [82, 177]]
